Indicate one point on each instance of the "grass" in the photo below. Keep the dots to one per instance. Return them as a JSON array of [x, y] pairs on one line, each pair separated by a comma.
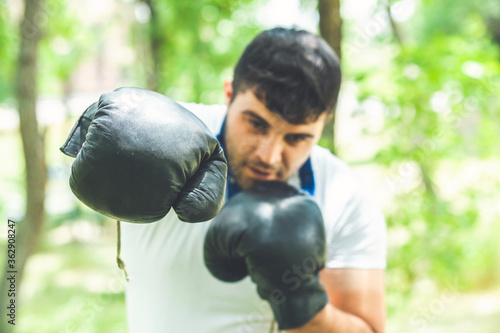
[[73, 287]]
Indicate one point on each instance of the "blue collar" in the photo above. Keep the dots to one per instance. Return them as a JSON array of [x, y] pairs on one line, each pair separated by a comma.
[[306, 175]]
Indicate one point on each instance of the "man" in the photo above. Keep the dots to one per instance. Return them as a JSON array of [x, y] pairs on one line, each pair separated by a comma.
[[284, 88]]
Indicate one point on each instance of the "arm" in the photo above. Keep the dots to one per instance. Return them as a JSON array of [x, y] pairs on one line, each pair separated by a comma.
[[357, 302]]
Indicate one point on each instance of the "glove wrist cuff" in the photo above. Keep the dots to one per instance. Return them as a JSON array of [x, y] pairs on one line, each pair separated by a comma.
[[298, 307]]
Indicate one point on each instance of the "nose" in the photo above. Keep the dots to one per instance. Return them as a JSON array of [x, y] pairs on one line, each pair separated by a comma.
[[269, 150]]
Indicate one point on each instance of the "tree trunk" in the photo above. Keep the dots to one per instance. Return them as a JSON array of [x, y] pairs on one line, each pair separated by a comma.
[[330, 23], [156, 41], [330, 27], [493, 24], [395, 28], [28, 230]]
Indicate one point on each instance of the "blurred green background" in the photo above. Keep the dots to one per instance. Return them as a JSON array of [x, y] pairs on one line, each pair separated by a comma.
[[418, 119]]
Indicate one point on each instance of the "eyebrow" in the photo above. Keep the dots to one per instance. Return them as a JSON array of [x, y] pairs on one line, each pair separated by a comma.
[[259, 118], [255, 115]]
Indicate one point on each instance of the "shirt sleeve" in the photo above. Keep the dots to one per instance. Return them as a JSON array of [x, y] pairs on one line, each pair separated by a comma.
[[359, 237]]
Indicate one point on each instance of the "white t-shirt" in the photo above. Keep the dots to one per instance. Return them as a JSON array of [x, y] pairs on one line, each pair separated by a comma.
[[170, 290]]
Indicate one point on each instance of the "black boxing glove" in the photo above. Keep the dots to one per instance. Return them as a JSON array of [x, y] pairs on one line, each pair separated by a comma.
[[76, 137], [274, 233], [138, 153]]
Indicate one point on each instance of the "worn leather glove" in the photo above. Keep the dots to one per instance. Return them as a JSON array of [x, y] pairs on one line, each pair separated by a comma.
[[275, 234], [138, 153]]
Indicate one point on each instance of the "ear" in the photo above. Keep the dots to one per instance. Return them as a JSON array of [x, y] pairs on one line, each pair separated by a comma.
[[329, 116], [228, 90], [326, 120]]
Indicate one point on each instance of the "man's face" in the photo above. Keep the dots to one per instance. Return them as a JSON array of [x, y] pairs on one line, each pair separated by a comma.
[[260, 145]]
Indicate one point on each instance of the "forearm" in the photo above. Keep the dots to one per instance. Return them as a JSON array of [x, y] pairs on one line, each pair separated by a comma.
[[333, 320]]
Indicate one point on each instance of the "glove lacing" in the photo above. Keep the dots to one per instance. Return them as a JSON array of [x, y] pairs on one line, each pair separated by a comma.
[[119, 261]]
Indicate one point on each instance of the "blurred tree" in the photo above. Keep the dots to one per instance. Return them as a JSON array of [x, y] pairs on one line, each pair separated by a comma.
[[490, 10], [330, 27], [28, 230], [438, 85], [192, 46], [330, 23], [157, 38], [7, 53], [62, 47], [64, 44]]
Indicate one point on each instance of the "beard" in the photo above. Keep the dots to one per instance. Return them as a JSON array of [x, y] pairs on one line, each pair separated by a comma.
[[238, 166]]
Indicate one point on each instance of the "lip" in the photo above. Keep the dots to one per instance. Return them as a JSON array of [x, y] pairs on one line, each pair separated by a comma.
[[260, 174]]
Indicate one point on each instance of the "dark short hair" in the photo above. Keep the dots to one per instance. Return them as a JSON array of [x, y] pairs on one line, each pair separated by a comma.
[[293, 72]]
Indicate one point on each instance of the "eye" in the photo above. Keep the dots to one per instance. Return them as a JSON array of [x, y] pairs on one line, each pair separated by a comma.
[[258, 125]]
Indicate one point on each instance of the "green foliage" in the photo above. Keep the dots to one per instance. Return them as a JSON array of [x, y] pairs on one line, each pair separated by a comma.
[[8, 53], [440, 95], [60, 50], [199, 43], [65, 42], [72, 291]]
